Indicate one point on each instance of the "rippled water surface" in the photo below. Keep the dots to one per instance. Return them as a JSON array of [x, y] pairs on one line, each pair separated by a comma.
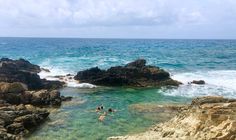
[[211, 60]]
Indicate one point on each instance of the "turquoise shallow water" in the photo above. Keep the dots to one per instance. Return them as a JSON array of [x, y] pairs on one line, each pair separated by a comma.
[[211, 60], [78, 119]]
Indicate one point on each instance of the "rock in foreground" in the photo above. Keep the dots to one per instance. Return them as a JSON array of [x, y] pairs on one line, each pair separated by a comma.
[[20, 89], [136, 73], [207, 118], [17, 93], [17, 121]]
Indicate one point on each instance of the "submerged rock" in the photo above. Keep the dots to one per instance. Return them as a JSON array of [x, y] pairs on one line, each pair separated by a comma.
[[206, 118], [136, 73], [156, 112]]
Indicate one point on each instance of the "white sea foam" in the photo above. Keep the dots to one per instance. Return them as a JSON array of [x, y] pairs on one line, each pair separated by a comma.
[[81, 85], [58, 74], [220, 82], [51, 75]]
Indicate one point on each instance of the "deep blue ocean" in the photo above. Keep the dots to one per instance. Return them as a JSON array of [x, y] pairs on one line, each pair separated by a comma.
[[211, 60]]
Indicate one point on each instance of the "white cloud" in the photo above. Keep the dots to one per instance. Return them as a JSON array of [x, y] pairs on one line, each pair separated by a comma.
[[93, 12], [74, 14]]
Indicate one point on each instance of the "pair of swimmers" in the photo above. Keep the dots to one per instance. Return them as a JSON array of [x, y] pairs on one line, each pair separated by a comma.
[[100, 108]]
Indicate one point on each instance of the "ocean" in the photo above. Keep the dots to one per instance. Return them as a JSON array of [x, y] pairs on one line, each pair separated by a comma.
[[211, 60]]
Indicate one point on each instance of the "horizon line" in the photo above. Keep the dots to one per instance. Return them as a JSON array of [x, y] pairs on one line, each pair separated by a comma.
[[117, 38]]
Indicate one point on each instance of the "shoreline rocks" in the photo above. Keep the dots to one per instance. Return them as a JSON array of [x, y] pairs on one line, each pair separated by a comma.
[[24, 72], [206, 118], [136, 73], [21, 89], [17, 121]]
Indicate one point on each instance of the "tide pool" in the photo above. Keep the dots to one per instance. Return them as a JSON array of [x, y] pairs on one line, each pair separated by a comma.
[[78, 120]]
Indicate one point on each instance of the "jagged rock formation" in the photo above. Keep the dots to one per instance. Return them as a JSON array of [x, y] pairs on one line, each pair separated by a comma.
[[16, 93], [16, 121], [23, 71], [20, 89], [136, 73], [207, 118]]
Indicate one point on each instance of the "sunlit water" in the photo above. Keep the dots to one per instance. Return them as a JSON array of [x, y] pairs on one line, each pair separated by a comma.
[[211, 60]]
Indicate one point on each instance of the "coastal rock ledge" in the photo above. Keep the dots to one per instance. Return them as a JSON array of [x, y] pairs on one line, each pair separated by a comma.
[[22, 96], [136, 74], [207, 118], [17, 121]]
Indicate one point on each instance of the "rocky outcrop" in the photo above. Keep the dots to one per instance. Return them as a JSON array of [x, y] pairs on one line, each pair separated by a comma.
[[42, 97], [211, 118], [19, 76], [17, 93], [17, 121], [198, 82], [136, 73], [12, 87], [20, 65], [23, 71], [20, 89]]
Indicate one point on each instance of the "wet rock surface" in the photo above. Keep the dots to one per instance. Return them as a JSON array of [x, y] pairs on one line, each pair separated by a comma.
[[206, 118], [136, 73]]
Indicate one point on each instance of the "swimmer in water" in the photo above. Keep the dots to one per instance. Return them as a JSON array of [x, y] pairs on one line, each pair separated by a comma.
[[110, 110], [99, 108], [102, 117]]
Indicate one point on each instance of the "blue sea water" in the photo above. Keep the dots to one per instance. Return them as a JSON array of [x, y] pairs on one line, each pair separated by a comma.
[[211, 60]]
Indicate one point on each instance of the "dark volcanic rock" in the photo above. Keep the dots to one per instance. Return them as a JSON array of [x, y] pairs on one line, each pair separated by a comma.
[[19, 95], [136, 73], [21, 64], [23, 71], [137, 64], [198, 82], [46, 84], [17, 77]]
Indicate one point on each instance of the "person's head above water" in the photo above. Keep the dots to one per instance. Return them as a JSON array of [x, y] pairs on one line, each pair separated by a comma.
[[110, 110]]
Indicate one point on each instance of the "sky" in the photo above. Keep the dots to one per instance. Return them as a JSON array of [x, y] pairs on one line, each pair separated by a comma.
[[170, 19]]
